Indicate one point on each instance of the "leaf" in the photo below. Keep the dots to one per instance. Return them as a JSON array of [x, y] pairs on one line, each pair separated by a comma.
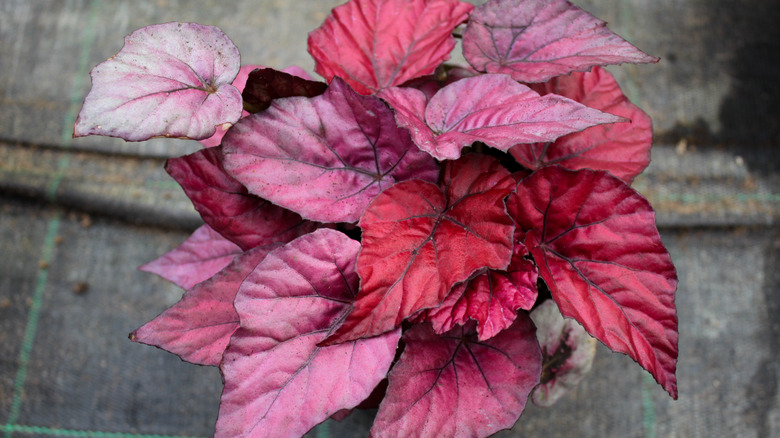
[[171, 80], [278, 382], [374, 44], [595, 242], [456, 386], [227, 206], [326, 157], [567, 353], [199, 326], [265, 85], [199, 257], [492, 298], [536, 40], [492, 109], [623, 149], [419, 240]]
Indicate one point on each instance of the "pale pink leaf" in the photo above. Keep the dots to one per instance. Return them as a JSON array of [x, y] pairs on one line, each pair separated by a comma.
[[199, 257], [492, 298], [199, 326], [492, 109], [455, 385], [567, 353], [278, 382], [622, 149], [373, 44], [324, 157], [172, 80], [536, 40]]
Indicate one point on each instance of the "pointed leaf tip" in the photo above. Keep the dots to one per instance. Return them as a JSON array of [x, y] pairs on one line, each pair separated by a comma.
[[169, 80]]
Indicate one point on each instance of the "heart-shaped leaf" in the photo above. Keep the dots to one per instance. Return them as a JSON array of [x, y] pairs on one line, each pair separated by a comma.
[[623, 149], [277, 380], [492, 109], [536, 40], [595, 242], [326, 157], [171, 79], [199, 326], [199, 257], [491, 299], [457, 386], [373, 44], [419, 240], [227, 206], [567, 353]]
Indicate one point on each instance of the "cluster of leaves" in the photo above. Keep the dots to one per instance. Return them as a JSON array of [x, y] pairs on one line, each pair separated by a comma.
[[409, 232]]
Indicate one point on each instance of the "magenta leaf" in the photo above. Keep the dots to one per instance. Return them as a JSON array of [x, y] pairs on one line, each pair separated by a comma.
[[277, 380], [457, 386], [492, 298], [227, 206], [265, 85], [199, 326], [171, 80], [623, 149], [595, 242], [492, 109], [199, 257], [325, 157], [536, 40], [567, 353], [374, 44], [420, 240]]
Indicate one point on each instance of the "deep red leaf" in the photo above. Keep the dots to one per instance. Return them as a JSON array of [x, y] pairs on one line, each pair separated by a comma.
[[457, 386], [623, 149], [373, 44], [536, 40], [598, 249], [491, 299], [567, 353], [278, 382], [325, 157], [171, 79], [199, 257], [199, 326], [227, 206], [492, 109], [419, 240], [265, 85]]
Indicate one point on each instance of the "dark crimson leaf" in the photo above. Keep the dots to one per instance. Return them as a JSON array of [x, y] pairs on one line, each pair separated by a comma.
[[277, 380], [373, 44], [567, 353], [536, 40], [265, 85], [419, 240], [597, 247], [171, 79], [623, 149], [199, 257], [325, 157], [491, 299], [492, 109], [227, 206], [198, 327], [457, 386]]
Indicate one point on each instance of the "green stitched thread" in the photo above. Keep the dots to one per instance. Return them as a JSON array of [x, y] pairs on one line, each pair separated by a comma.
[[36, 430], [648, 405]]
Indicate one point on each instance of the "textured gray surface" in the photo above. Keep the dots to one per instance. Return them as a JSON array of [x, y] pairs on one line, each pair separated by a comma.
[[69, 291]]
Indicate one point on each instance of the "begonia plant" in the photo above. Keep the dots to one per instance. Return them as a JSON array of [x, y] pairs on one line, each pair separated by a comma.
[[440, 241]]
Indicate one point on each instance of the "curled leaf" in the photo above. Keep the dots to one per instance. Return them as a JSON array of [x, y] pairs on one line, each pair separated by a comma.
[[454, 385], [595, 242], [374, 44], [325, 157], [536, 40], [266, 84], [171, 80]]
